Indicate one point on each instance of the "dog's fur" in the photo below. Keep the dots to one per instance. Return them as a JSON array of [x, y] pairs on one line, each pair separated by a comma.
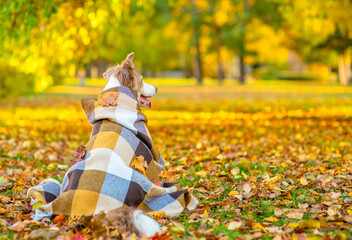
[[126, 75]]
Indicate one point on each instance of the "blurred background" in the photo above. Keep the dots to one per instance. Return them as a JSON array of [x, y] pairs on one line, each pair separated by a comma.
[[186, 42]]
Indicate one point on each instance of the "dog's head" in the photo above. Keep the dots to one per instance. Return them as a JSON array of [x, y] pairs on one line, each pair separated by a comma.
[[125, 75]]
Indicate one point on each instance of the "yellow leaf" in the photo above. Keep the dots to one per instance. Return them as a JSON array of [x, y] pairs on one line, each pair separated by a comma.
[[139, 164], [349, 211], [303, 181], [258, 226], [201, 173], [233, 193], [298, 136], [17, 189], [314, 238], [270, 219], [206, 213], [37, 205], [344, 144], [51, 166], [310, 223], [283, 164], [274, 179], [20, 181], [156, 214], [322, 169], [293, 225], [244, 175]]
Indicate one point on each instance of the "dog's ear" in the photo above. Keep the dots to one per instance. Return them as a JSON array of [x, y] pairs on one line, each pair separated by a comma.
[[125, 71], [128, 63], [130, 57]]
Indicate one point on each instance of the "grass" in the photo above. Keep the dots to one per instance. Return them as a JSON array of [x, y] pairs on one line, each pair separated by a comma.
[[275, 134]]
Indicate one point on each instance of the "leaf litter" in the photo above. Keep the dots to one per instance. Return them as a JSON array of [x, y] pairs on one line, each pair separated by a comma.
[[261, 169]]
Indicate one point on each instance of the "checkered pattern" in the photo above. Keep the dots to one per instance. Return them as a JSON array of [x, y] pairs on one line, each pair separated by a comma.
[[104, 179]]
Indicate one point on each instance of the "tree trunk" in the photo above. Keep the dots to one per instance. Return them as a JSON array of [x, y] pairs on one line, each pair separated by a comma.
[[198, 65], [220, 72], [342, 70], [242, 49], [242, 73], [347, 61]]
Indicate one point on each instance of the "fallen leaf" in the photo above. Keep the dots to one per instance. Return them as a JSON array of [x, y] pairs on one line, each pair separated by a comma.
[[247, 188], [234, 225], [205, 213], [194, 216], [156, 214], [235, 171], [270, 219], [259, 226], [42, 234], [139, 164], [295, 215], [309, 224], [335, 195], [233, 193], [202, 173], [3, 180], [303, 181], [332, 211], [293, 225], [17, 226], [239, 197], [80, 153], [59, 219], [278, 212], [108, 99], [289, 196], [349, 211], [144, 237]]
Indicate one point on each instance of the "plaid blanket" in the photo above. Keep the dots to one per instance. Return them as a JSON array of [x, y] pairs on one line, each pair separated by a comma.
[[120, 167]]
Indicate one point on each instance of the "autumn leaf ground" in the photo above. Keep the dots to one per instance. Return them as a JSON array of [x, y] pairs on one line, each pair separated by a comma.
[[264, 162]]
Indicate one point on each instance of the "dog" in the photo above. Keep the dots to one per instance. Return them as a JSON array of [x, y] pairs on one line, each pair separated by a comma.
[[119, 166], [125, 75]]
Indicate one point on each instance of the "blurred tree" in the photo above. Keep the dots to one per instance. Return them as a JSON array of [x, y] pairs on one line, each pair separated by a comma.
[[217, 18], [54, 38], [340, 40], [196, 23], [320, 31], [241, 14], [189, 16]]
